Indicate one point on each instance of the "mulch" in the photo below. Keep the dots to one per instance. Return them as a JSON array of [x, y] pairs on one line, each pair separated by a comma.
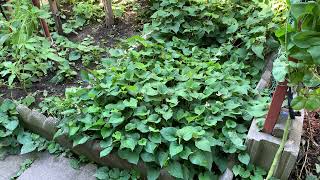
[[309, 154]]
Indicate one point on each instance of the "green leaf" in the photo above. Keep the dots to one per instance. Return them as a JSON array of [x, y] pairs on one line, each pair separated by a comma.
[[233, 28], [168, 114], [55, 57], [141, 111], [315, 53], [231, 124], [306, 39], [102, 173], [153, 174], [235, 139], [258, 50], [313, 103], [150, 147], [280, 68], [132, 103], [238, 170], [142, 142], [185, 153], [175, 169], [73, 130], [7, 105], [298, 103], [116, 118], [203, 144], [11, 125], [74, 55], [169, 133], [106, 132], [186, 132], [199, 109], [206, 176], [27, 148], [147, 157], [80, 140], [301, 9], [131, 156], [106, 151], [28, 100], [175, 148], [244, 158], [129, 143], [163, 157], [201, 158]]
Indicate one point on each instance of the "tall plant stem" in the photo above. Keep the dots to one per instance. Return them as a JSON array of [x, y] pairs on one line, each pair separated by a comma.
[[280, 149]]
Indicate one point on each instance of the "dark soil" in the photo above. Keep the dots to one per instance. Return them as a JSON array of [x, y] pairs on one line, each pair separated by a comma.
[[108, 37], [309, 154]]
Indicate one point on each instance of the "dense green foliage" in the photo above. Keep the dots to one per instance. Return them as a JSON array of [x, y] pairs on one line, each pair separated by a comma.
[[184, 99], [13, 138], [25, 57], [83, 13], [22, 55], [181, 100], [301, 42]]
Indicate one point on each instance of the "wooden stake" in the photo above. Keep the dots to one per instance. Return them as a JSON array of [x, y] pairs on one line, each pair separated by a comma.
[[109, 14], [43, 23], [55, 13], [275, 107]]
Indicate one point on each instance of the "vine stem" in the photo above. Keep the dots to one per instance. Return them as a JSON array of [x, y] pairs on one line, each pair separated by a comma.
[[280, 149]]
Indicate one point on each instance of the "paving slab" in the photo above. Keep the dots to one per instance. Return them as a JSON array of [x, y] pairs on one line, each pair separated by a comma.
[[50, 167], [11, 165]]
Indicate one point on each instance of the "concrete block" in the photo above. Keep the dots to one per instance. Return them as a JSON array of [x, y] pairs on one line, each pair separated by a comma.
[[50, 167], [262, 148]]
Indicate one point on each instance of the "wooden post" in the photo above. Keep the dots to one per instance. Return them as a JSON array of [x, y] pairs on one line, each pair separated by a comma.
[[275, 107], [107, 4], [276, 104], [55, 13], [42, 21]]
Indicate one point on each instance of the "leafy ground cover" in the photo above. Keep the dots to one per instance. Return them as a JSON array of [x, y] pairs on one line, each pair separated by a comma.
[[181, 100], [29, 63], [184, 99]]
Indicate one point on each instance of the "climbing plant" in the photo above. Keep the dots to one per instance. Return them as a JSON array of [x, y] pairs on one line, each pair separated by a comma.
[[300, 38]]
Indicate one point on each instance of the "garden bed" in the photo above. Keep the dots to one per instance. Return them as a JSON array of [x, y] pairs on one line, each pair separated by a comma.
[[179, 105], [124, 27]]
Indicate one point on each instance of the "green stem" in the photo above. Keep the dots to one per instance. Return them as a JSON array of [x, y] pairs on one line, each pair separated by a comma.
[[279, 152]]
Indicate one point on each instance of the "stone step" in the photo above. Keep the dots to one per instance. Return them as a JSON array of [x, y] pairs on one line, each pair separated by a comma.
[[45, 167], [11, 165]]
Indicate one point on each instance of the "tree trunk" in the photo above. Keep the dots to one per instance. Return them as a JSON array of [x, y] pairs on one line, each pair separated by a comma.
[[42, 21], [55, 13], [109, 14]]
